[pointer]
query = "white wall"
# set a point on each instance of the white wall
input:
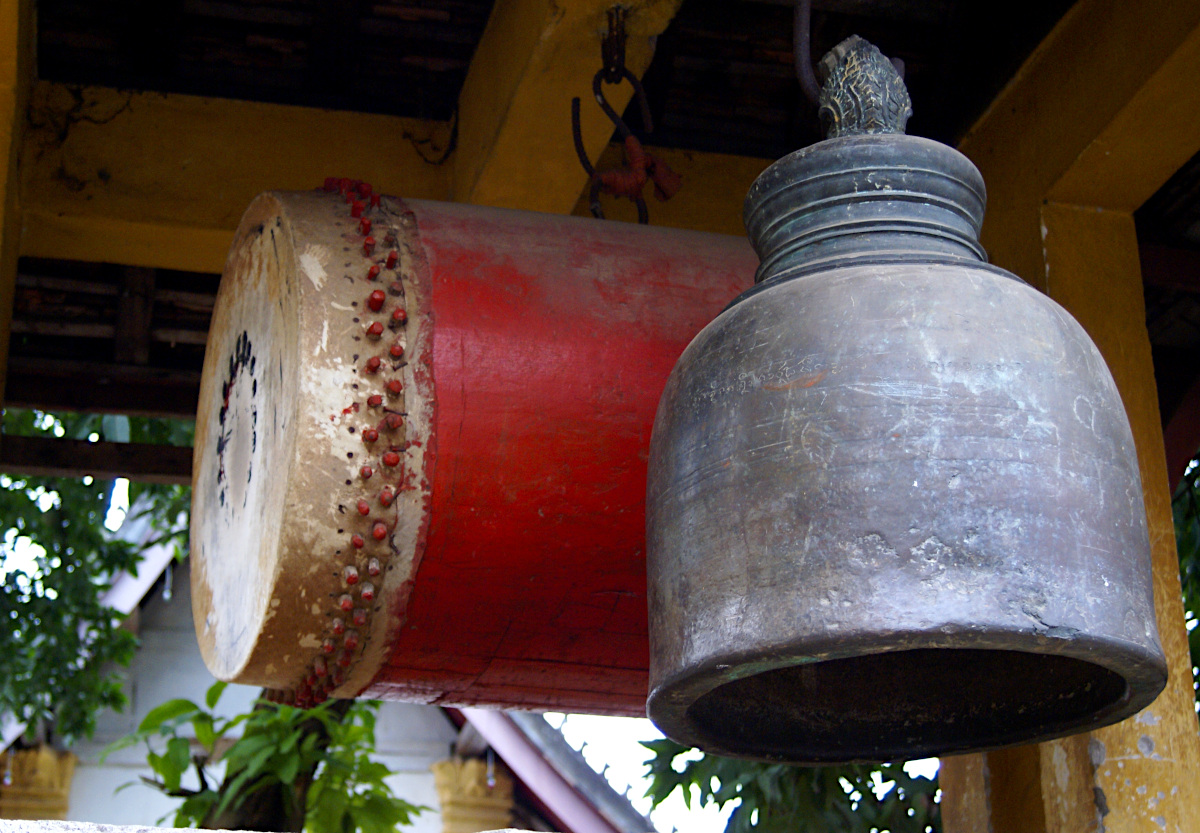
(408, 737)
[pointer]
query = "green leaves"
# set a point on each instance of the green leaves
(776, 798)
(62, 646)
(172, 711)
(1186, 508)
(349, 793)
(314, 764)
(174, 763)
(57, 560)
(214, 693)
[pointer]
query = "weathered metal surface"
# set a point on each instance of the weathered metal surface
(863, 91)
(512, 568)
(894, 508)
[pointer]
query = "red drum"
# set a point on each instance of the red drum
(420, 462)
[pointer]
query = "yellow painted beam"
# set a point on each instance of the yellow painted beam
(147, 179)
(1075, 85)
(710, 199)
(68, 235)
(16, 68)
(1146, 141)
(1103, 112)
(514, 130)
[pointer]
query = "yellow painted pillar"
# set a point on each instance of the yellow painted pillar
(473, 797)
(16, 72)
(40, 783)
(964, 784)
(1141, 774)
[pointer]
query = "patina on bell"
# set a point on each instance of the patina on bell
(894, 507)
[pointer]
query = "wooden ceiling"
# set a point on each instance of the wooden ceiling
(404, 57)
(722, 78)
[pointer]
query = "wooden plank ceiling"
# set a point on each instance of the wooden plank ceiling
(721, 79)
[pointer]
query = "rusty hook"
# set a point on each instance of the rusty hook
(598, 90)
(612, 55)
(622, 128)
(614, 71)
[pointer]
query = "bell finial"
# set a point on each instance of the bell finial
(862, 91)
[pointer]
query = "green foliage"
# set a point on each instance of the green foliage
(778, 798)
(1186, 509)
(349, 793)
(56, 561)
(317, 759)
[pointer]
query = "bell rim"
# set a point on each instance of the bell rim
(1141, 667)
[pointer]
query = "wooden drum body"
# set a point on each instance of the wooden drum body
(421, 448)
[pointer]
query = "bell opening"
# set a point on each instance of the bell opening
(903, 705)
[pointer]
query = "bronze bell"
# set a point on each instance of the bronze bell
(894, 507)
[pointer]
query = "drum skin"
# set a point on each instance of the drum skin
(534, 351)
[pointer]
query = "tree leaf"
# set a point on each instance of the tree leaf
(202, 725)
(169, 710)
(289, 769)
(175, 762)
(117, 745)
(326, 816)
(214, 693)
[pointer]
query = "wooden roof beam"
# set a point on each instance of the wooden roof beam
(44, 457)
(147, 179)
(1072, 124)
(514, 113)
(135, 310)
(101, 387)
(154, 180)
